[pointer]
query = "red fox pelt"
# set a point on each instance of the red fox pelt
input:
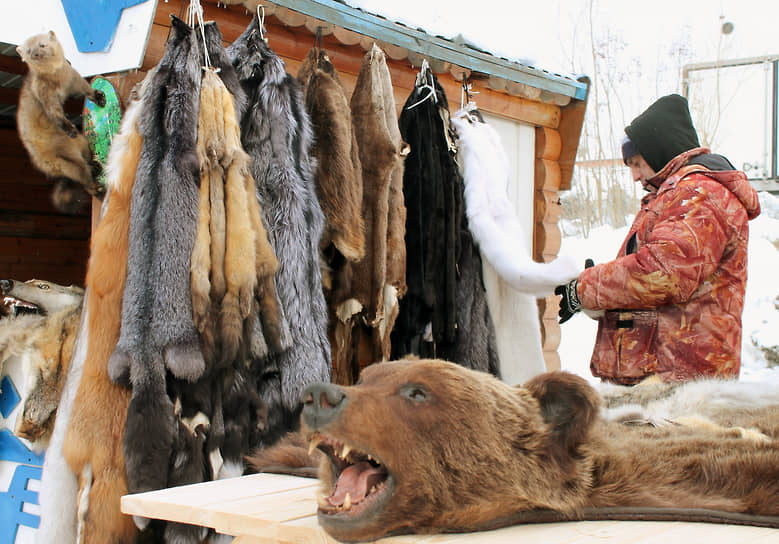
(93, 443)
(54, 144)
(427, 446)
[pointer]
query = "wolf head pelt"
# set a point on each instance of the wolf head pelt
(277, 134)
(44, 340)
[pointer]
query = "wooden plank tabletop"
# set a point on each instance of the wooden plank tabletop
(274, 508)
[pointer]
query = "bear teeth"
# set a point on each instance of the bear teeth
(314, 442)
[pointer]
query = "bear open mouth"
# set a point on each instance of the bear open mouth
(362, 483)
(13, 307)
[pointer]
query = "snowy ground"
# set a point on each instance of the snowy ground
(761, 302)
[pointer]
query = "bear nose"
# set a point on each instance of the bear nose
(6, 285)
(322, 404)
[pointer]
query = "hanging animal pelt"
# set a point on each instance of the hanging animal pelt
(157, 329)
(379, 280)
(444, 313)
(247, 260)
(93, 444)
(513, 280)
(338, 174)
(492, 218)
(339, 188)
(276, 133)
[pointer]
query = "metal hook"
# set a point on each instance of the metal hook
(261, 21)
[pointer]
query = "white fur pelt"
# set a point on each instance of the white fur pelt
(59, 487)
(491, 217)
(511, 277)
(661, 404)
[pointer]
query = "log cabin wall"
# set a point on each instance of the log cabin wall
(36, 240)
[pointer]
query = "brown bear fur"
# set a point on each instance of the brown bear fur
(96, 426)
(464, 451)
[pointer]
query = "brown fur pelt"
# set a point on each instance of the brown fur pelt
(55, 146)
(339, 174)
(424, 446)
(379, 279)
(248, 258)
(339, 187)
(93, 443)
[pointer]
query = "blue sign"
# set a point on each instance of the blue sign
(93, 22)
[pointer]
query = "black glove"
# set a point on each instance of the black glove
(569, 303)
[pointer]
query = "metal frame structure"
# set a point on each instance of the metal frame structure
(771, 183)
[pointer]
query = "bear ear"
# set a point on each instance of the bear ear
(570, 406)
(51, 34)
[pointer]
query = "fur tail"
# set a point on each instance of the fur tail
(149, 435)
(232, 327)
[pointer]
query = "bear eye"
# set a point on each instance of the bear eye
(43, 286)
(414, 393)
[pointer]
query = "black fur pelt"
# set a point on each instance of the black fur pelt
(444, 313)
(276, 133)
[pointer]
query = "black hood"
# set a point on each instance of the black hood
(663, 131)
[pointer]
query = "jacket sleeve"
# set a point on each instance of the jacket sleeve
(682, 250)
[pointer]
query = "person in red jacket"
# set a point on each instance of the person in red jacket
(670, 304)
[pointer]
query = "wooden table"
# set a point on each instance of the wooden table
(265, 508)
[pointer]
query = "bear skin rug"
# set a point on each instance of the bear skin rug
(428, 446)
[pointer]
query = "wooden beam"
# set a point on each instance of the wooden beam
(571, 123)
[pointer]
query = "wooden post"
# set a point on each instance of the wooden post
(546, 232)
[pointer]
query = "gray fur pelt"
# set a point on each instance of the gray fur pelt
(276, 133)
(157, 329)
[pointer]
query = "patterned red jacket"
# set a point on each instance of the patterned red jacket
(675, 293)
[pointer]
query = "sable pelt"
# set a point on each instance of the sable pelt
(227, 307)
(276, 133)
(445, 288)
(378, 280)
(540, 446)
(339, 184)
(55, 146)
(100, 406)
(339, 173)
(44, 340)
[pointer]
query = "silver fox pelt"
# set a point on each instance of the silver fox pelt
(276, 133)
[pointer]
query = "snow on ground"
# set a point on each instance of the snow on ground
(761, 301)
